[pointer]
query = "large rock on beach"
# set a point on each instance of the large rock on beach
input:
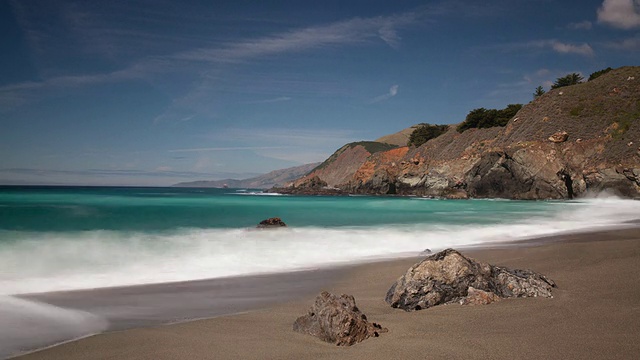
(274, 222)
(448, 276)
(337, 319)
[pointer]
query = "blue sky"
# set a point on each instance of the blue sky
(155, 92)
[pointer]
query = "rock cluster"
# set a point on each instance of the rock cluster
(274, 222)
(448, 276)
(337, 319)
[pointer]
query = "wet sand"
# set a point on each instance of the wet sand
(595, 314)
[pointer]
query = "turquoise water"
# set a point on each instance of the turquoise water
(57, 238)
(161, 209)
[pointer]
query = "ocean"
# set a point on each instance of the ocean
(66, 238)
(98, 239)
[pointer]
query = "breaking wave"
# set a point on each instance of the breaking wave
(33, 262)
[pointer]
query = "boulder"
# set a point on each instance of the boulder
(478, 297)
(337, 319)
(274, 222)
(559, 137)
(448, 276)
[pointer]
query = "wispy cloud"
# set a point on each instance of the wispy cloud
(560, 47)
(227, 148)
(197, 63)
(583, 25)
(393, 91)
(629, 44)
(622, 14)
(352, 31)
(269, 101)
(564, 48)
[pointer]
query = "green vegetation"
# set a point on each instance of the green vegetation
(567, 80)
(426, 132)
(576, 111)
(625, 120)
(599, 73)
(539, 92)
(486, 118)
(373, 146)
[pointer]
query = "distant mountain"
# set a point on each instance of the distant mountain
(266, 181)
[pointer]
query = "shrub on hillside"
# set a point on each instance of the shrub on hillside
(599, 73)
(486, 118)
(567, 80)
(426, 132)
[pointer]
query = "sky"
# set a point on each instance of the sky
(155, 92)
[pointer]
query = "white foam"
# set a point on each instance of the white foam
(41, 262)
(25, 325)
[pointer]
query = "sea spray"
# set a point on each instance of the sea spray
(49, 261)
(26, 324)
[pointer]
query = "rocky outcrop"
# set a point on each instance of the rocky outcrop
(337, 320)
(559, 137)
(270, 223)
(529, 158)
(448, 276)
(310, 185)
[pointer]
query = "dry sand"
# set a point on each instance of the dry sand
(595, 314)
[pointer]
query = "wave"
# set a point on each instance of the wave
(34, 262)
(26, 324)
(254, 193)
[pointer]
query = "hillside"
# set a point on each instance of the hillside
(341, 165)
(601, 119)
(401, 138)
(274, 178)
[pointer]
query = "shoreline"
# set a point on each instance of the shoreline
(369, 282)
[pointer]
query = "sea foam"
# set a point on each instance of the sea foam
(49, 261)
(26, 324)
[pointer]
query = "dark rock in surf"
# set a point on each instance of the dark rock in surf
(337, 319)
(448, 276)
(274, 222)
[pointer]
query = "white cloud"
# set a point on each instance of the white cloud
(198, 61)
(630, 44)
(563, 48)
(623, 14)
(393, 91)
(351, 31)
(583, 25)
(555, 45)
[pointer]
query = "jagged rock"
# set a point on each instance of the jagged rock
(447, 277)
(520, 283)
(559, 137)
(274, 222)
(314, 183)
(337, 319)
(478, 297)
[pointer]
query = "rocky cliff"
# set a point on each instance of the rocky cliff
(564, 144)
(339, 168)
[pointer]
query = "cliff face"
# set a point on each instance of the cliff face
(565, 143)
(339, 168)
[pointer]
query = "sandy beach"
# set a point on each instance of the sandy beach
(595, 314)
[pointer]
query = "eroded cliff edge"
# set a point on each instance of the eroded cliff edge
(530, 158)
